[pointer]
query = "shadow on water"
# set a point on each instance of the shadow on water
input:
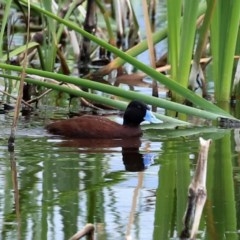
(133, 160)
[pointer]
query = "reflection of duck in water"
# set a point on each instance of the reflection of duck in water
(98, 127)
(135, 161)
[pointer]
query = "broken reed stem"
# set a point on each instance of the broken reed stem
(197, 193)
(88, 230)
(11, 139)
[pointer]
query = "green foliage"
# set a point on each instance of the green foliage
(6, 18)
(174, 25)
(223, 36)
(181, 28)
(214, 114)
(188, 29)
(172, 85)
(224, 32)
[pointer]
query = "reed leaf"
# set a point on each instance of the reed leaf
(107, 22)
(174, 8)
(93, 97)
(19, 50)
(5, 19)
(121, 92)
(50, 44)
(224, 31)
(203, 32)
(188, 30)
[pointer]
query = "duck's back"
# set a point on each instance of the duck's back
(89, 126)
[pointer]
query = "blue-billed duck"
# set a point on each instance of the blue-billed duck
(98, 127)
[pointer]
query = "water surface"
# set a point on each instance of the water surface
(50, 188)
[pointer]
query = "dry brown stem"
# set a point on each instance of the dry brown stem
(197, 193)
(88, 230)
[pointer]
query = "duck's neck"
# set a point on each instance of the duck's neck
(131, 125)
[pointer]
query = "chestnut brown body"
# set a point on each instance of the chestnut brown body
(96, 127)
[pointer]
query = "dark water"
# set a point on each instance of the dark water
(51, 188)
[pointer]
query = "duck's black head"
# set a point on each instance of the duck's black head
(136, 113)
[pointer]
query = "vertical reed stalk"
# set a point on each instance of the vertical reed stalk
(224, 32)
(11, 139)
(188, 30)
(174, 24)
(151, 50)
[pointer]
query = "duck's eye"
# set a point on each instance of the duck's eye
(142, 107)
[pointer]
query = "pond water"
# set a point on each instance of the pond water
(50, 188)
